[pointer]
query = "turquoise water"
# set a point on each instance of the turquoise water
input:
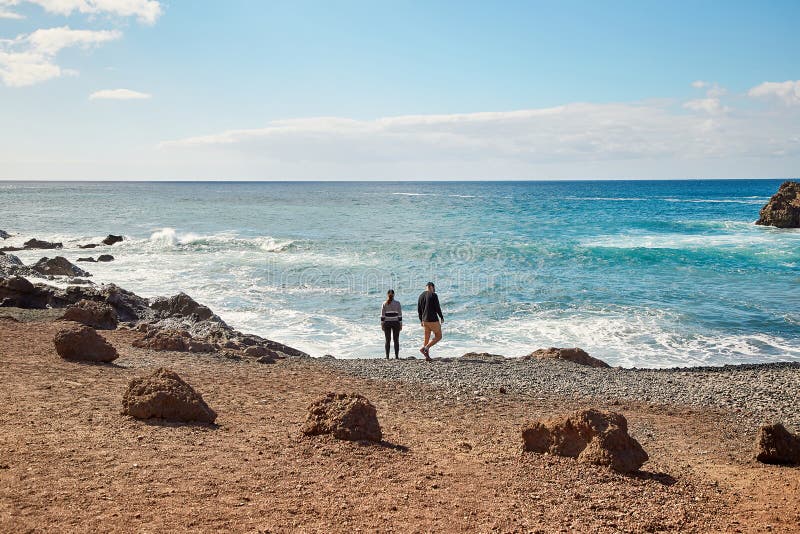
(638, 273)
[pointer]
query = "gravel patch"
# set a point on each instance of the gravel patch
(753, 394)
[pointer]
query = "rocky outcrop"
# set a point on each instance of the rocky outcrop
(776, 445)
(39, 244)
(783, 209)
(164, 395)
(11, 265)
(80, 342)
(92, 313)
(112, 239)
(181, 305)
(19, 292)
(574, 355)
(591, 436)
(167, 340)
(484, 357)
(58, 266)
(345, 416)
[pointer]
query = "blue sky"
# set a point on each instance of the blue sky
(141, 89)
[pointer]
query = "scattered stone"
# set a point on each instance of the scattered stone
(347, 416)
(81, 342)
(592, 436)
(171, 340)
(105, 258)
(503, 390)
(164, 395)
(111, 239)
(776, 445)
(574, 355)
(58, 266)
(4, 235)
(92, 313)
(36, 243)
(783, 209)
(483, 357)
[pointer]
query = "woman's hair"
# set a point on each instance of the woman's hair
(390, 295)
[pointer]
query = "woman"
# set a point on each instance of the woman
(392, 322)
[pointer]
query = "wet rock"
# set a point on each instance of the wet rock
(112, 239)
(165, 395)
(11, 265)
(591, 436)
(347, 416)
(37, 243)
(91, 313)
(574, 355)
(58, 266)
(783, 209)
(4, 235)
(776, 445)
(89, 245)
(89, 259)
(105, 257)
(80, 342)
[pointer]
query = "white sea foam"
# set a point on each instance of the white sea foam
(714, 200)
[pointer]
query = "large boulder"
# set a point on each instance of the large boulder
(591, 436)
(346, 416)
(37, 243)
(19, 292)
(80, 342)
(776, 445)
(111, 239)
(92, 313)
(171, 340)
(783, 209)
(164, 395)
(574, 355)
(58, 266)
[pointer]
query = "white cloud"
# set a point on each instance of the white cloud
(580, 133)
(146, 11)
(787, 92)
(699, 84)
(30, 59)
(10, 15)
(118, 94)
(706, 105)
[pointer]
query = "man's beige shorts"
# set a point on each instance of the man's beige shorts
(433, 326)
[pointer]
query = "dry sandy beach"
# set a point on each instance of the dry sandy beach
(451, 459)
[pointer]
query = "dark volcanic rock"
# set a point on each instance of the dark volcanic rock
(346, 416)
(4, 235)
(19, 292)
(89, 245)
(80, 342)
(36, 243)
(164, 395)
(783, 209)
(591, 436)
(111, 239)
(92, 313)
(776, 445)
(105, 257)
(574, 355)
(11, 265)
(181, 305)
(58, 266)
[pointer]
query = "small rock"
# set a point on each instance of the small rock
(111, 239)
(574, 355)
(4, 235)
(36, 243)
(105, 258)
(776, 445)
(58, 266)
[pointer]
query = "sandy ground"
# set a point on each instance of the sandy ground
(69, 462)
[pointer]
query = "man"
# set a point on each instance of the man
(431, 318)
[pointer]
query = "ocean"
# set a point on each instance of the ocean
(638, 273)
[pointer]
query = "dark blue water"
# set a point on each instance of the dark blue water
(638, 273)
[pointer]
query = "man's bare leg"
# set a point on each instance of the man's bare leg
(424, 349)
(437, 337)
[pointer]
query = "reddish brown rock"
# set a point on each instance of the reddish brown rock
(173, 340)
(776, 445)
(347, 416)
(91, 313)
(783, 209)
(574, 355)
(591, 436)
(81, 342)
(164, 395)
